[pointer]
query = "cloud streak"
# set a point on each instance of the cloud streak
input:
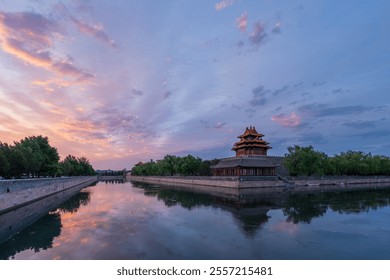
(324, 110)
(30, 37)
(95, 31)
(292, 120)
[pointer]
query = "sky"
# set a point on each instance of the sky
(126, 81)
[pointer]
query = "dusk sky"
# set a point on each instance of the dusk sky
(127, 81)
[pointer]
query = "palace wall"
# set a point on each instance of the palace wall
(15, 193)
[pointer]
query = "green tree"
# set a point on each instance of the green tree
(305, 161)
(189, 165)
(18, 161)
(43, 158)
(70, 166)
(169, 164)
(4, 163)
(85, 166)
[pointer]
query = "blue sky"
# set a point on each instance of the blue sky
(124, 81)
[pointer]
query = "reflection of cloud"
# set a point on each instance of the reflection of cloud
(287, 227)
(292, 120)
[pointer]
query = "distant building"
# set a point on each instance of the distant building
(251, 157)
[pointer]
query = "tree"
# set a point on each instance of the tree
(85, 167)
(305, 161)
(18, 161)
(33, 156)
(43, 158)
(4, 163)
(169, 164)
(189, 165)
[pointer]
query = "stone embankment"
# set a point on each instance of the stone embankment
(339, 181)
(16, 193)
(260, 181)
(221, 182)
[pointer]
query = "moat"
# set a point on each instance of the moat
(123, 220)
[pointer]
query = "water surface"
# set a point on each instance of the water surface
(127, 221)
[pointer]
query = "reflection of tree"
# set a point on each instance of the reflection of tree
(38, 236)
(302, 208)
(74, 203)
(359, 201)
(305, 207)
(249, 219)
(172, 197)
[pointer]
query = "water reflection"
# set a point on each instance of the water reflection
(36, 237)
(40, 235)
(83, 198)
(113, 181)
(142, 221)
(304, 207)
(249, 218)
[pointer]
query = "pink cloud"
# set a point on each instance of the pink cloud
(258, 36)
(242, 22)
(292, 120)
(94, 31)
(68, 69)
(224, 4)
(29, 37)
(29, 26)
(40, 58)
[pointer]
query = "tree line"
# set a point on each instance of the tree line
(34, 157)
(307, 161)
(173, 165)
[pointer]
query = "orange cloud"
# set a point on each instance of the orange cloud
(37, 58)
(292, 120)
(29, 37)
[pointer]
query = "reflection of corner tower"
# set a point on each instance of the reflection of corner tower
(251, 143)
(251, 157)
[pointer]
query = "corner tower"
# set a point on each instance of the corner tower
(251, 143)
(251, 157)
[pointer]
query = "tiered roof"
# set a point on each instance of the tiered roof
(251, 142)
